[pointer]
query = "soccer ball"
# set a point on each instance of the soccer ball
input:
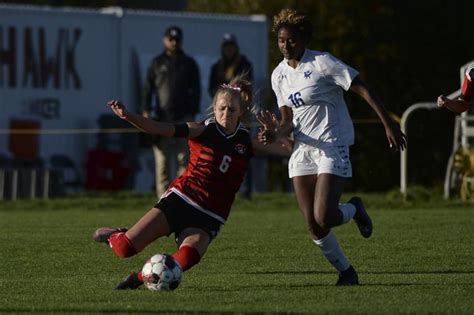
(161, 273)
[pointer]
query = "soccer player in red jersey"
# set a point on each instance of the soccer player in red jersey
(198, 202)
(462, 103)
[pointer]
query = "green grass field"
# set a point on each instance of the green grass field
(420, 260)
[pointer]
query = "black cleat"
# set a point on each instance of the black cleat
(102, 235)
(130, 282)
(361, 218)
(348, 277)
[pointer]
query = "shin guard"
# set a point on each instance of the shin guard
(121, 245)
(187, 257)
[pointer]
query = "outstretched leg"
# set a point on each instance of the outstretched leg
(126, 243)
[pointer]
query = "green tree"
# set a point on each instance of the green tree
(407, 51)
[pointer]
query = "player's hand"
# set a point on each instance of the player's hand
(441, 101)
(268, 120)
(396, 138)
(268, 131)
(118, 108)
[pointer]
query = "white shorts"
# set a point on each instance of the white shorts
(308, 160)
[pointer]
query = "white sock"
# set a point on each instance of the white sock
(333, 252)
(348, 210)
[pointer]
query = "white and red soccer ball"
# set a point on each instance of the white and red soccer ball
(161, 273)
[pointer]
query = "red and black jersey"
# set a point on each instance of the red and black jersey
(468, 87)
(217, 165)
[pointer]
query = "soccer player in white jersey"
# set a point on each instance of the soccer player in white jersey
(309, 88)
(463, 102)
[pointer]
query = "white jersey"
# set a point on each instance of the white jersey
(314, 92)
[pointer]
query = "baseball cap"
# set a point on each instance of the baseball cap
(174, 32)
(229, 38)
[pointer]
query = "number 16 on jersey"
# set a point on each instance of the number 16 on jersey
(296, 99)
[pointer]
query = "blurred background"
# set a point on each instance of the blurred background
(407, 51)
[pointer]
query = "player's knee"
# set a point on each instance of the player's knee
(122, 245)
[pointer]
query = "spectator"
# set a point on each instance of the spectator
(173, 80)
(230, 65)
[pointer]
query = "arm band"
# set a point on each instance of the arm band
(181, 130)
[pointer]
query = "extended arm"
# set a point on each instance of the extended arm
(281, 148)
(395, 137)
(463, 102)
(457, 106)
(149, 125)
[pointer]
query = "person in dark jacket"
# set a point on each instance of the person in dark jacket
(230, 65)
(173, 86)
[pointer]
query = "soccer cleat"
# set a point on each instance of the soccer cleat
(102, 235)
(361, 217)
(348, 277)
(130, 282)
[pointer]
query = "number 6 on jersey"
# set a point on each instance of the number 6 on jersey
(225, 164)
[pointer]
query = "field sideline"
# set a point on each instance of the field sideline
(419, 260)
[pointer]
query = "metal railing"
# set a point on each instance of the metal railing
(13, 182)
(403, 127)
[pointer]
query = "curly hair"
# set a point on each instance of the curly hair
(295, 20)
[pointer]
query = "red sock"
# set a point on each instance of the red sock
(187, 257)
(121, 245)
(140, 276)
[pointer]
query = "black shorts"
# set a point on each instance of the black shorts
(182, 215)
